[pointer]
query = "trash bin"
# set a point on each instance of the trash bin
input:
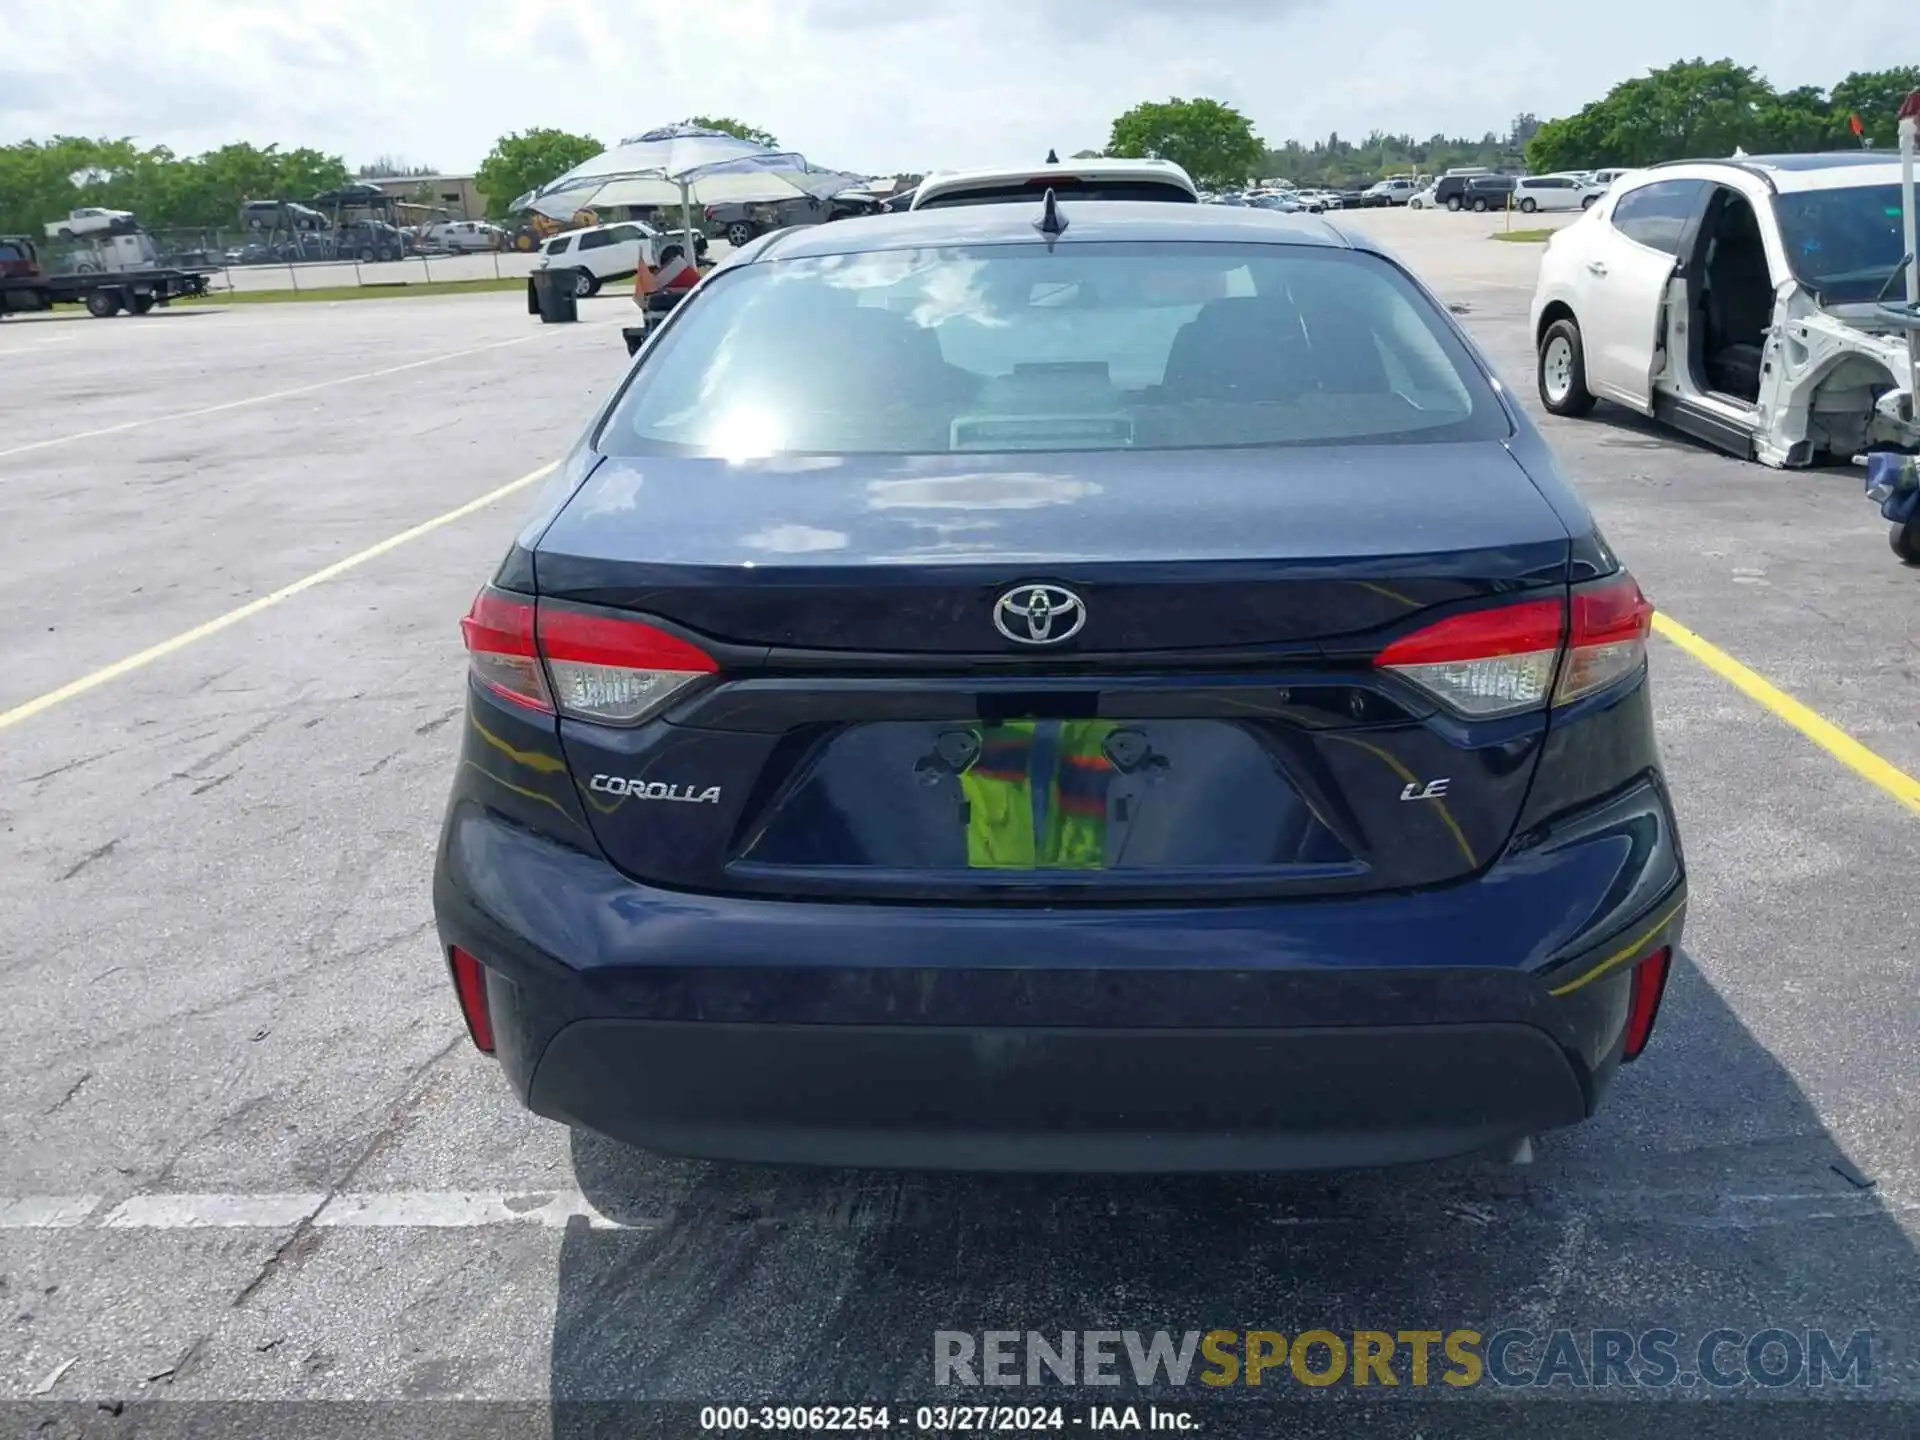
(550, 295)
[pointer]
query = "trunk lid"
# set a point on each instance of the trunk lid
(1213, 728)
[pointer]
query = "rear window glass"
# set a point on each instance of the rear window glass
(1095, 346)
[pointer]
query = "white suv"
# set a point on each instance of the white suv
(601, 253)
(1739, 301)
(1069, 180)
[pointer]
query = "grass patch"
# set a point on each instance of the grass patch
(356, 292)
(1524, 237)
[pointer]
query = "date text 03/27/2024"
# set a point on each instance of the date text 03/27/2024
(942, 1419)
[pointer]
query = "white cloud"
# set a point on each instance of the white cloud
(862, 84)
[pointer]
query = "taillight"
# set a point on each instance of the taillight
(1649, 984)
(470, 985)
(1486, 662)
(500, 651)
(1503, 660)
(1611, 621)
(612, 670)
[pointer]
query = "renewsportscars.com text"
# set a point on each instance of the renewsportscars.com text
(1460, 1358)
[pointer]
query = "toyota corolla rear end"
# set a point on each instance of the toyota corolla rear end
(1137, 698)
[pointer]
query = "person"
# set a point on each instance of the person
(1067, 830)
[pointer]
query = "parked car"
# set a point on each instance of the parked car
(741, 222)
(1397, 191)
(369, 241)
(1737, 301)
(1421, 199)
(601, 253)
(282, 215)
(1450, 190)
(1552, 192)
(466, 235)
(1313, 820)
(1489, 192)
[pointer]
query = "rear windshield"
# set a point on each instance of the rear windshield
(1096, 346)
(1027, 191)
(1843, 244)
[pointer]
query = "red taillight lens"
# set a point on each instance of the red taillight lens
(1611, 621)
(470, 984)
(1502, 661)
(499, 635)
(1486, 662)
(613, 670)
(1649, 984)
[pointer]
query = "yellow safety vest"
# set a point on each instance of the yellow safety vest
(999, 790)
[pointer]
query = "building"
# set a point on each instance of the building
(453, 193)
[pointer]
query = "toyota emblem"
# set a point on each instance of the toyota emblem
(1039, 614)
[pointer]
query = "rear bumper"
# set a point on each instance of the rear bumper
(1367, 1031)
(1048, 1098)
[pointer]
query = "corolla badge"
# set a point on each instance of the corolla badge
(1039, 614)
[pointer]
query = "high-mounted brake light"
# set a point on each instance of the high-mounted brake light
(1643, 1004)
(499, 635)
(614, 670)
(1486, 662)
(1611, 621)
(1503, 660)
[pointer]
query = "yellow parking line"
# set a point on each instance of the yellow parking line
(1828, 736)
(42, 703)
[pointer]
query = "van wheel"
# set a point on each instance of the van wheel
(585, 283)
(1905, 540)
(1529, 205)
(1562, 371)
(1453, 202)
(1479, 206)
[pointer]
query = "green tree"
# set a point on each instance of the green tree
(526, 160)
(737, 128)
(1212, 142)
(1875, 97)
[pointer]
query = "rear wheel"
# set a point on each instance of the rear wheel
(1563, 370)
(585, 283)
(1529, 205)
(1905, 540)
(103, 303)
(739, 233)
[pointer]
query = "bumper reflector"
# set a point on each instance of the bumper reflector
(1649, 983)
(470, 984)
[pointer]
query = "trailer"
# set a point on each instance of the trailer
(25, 286)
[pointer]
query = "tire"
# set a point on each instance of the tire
(1480, 207)
(365, 256)
(1529, 205)
(1905, 540)
(739, 233)
(1560, 370)
(585, 283)
(103, 304)
(671, 253)
(1587, 203)
(1453, 203)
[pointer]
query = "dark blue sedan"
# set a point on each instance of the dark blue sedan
(1115, 687)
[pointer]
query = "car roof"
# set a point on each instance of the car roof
(958, 181)
(1786, 174)
(1087, 221)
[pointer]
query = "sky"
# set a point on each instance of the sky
(870, 86)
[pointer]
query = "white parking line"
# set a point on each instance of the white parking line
(210, 1212)
(46, 1212)
(386, 1210)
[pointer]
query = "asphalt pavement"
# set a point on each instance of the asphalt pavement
(246, 1153)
